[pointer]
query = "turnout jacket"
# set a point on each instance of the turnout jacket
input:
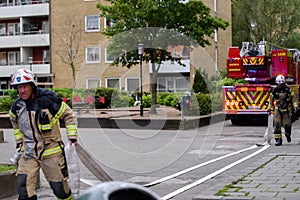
(36, 123)
(283, 99)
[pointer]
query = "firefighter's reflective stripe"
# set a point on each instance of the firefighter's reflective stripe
(12, 115)
(277, 136)
(71, 130)
(18, 134)
(59, 113)
(52, 151)
(45, 127)
(295, 103)
(69, 198)
(55, 119)
(281, 110)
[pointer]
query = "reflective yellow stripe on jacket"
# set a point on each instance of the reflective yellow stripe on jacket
(71, 130)
(55, 119)
(60, 112)
(12, 115)
(52, 151)
(18, 134)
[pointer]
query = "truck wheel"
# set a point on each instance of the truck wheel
(235, 121)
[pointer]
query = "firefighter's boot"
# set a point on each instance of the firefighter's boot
(288, 137)
(278, 141)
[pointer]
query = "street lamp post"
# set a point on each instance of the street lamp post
(140, 52)
(30, 62)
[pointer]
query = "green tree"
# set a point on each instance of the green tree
(275, 21)
(199, 85)
(157, 24)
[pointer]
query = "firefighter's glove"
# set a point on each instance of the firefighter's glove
(73, 141)
(294, 115)
(270, 111)
(19, 145)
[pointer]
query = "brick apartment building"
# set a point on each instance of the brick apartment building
(34, 34)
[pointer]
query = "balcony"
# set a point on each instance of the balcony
(173, 67)
(15, 11)
(8, 70)
(17, 41)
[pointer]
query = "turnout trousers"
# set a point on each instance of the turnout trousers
(55, 170)
(282, 119)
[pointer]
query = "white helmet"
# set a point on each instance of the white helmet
(22, 76)
(280, 79)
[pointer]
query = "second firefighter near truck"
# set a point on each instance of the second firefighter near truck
(255, 67)
(35, 119)
(284, 105)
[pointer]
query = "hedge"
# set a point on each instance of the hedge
(113, 98)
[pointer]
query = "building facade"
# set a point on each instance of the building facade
(25, 40)
(73, 38)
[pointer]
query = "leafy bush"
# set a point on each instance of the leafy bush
(12, 93)
(147, 100)
(216, 101)
(160, 97)
(5, 103)
(204, 103)
(121, 100)
(170, 99)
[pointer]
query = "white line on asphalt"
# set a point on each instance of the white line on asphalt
(90, 182)
(187, 187)
(197, 166)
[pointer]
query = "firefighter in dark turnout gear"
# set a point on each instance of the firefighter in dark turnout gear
(284, 105)
(35, 120)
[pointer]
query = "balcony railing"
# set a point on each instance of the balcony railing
(8, 70)
(25, 41)
(4, 3)
(13, 11)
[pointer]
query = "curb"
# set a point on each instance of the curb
(126, 122)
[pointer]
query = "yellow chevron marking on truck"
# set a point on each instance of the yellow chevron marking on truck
(252, 61)
(261, 61)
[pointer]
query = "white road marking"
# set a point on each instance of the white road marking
(187, 187)
(90, 182)
(197, 166)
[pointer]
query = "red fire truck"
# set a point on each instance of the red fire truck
(257, 64)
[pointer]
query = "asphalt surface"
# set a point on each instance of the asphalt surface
(274, 176)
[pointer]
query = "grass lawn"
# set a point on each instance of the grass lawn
(7, 167)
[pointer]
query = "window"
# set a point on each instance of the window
(2, 58)
(45, 26)
(185, 53)
(92, 83)
(113, 83)
(13, 58)
(133, 84)
(2, 30)
(182, 84)
(13, 29)
(161, 86)
(173, 84)
(110, 57)
(108, 23)
(92, 23)
(46, 57)
(92, 54)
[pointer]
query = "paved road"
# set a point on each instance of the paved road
(144, 156)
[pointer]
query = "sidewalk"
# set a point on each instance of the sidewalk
(275, 176)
